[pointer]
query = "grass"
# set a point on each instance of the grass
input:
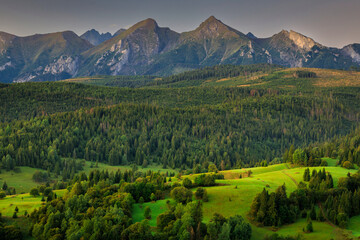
(233, 196)
(102, 166)
(157, 208)
(331, 162)
(24, 202)
(114, 81)
(230, 200)
(287, 80)
(354, 226)
(21, 180)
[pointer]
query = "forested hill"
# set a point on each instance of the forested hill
(177, 127)
(238, 132)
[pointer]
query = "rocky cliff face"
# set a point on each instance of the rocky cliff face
(353, 51)
(60, 67)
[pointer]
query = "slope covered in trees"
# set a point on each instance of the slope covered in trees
(252, 127)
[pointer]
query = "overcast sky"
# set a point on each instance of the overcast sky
(329, 22)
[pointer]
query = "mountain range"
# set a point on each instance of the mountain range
(147, 49)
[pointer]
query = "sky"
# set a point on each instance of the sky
(334, 23)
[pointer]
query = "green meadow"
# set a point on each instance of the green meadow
(89, 166)
(234, 195)
(157, 208)
(21, 179)
(24, 202)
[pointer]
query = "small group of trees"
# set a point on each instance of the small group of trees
(274, 209)
(185, 222)
(308, 157)
(39, 176)
(6, 190)
(338, 204)
(318, 180)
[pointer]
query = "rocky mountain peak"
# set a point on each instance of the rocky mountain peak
(213, 28)
(301, 41)
(251, 35)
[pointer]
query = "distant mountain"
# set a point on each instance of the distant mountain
(292, 49)
(95, 38)
(41, 57)
(131, 51)
(118, 32)
(148, 49)
(211, 43)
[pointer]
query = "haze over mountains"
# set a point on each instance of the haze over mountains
(147, 49)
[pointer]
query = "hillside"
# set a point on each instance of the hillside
(271, 76)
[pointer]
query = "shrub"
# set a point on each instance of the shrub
(181, 195)
(34, 192)
(2, 194)
(348, 165)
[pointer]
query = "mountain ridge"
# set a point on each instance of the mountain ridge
(147, 49)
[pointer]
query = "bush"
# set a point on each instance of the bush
(147, 213)
(2, 194)
(34, 192)
(323, 163)
(201, 193)
(40, 176)
(181, 195)
(305, 74)
(309, 227)
(348, 165)
(187, 183)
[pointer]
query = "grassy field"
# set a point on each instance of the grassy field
(24, 202)
(331, 162)
(286, 79)
(157, 208)
(102, 166)
(21, 180)
(235, 196)
(354, 226)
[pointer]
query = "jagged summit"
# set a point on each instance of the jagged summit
(212, 28)
(212, 22)
(95, 38)
(251, 35)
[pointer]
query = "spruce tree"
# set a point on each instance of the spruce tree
(313, 213)
(5, 186)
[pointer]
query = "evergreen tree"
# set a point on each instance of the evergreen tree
(5, 186)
